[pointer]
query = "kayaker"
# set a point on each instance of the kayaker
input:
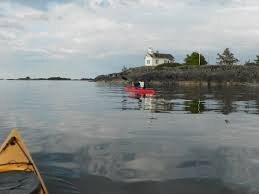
(136, 84)
(142, 84)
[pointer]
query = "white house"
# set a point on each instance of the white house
(155, 58)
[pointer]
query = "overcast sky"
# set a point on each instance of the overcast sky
(83, 38)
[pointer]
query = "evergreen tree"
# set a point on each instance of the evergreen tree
(124, 68)
(247, 63)
(227, 58)
(193, 59)
(257, 60)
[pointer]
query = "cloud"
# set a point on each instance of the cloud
(101, 29)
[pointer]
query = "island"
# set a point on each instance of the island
(161, 68)
(183, 74)
(51, 78)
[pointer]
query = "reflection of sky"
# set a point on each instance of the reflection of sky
(100, 130)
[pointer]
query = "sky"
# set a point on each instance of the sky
(85, 38)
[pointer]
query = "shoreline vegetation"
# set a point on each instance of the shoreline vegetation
(168, 74)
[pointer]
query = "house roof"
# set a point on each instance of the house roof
(161, 55)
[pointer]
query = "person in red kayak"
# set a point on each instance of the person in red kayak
(139, 84)
(142, 84)
(136, 84)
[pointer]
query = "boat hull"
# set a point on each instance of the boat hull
(139, 90)
(14, 156)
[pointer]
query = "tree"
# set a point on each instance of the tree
(257, 60)
(227, 58)
(124, 68)
(247, 63)
(195, 59)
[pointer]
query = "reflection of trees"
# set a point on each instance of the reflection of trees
(194, 106)
(229, 98)
(223, 98)
(257, 99)
(226, 99)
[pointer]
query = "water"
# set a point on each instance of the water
(95, 139)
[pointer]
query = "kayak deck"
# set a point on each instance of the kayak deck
(14, 156)
(139, 90)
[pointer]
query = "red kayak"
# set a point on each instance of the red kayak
(139, 90)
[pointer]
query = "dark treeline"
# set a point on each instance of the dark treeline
(53, 78)
(50, 78)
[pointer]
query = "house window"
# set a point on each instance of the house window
(157, 61)
(148, 62)
(165, 61)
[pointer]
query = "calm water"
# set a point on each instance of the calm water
(96, 139)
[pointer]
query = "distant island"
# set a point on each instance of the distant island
(50, 78)
(53, 78)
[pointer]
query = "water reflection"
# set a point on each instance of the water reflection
(194, 106)
(196, 100)
(220, 170)
(91, 138)
(91, 184)
(146, 102)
